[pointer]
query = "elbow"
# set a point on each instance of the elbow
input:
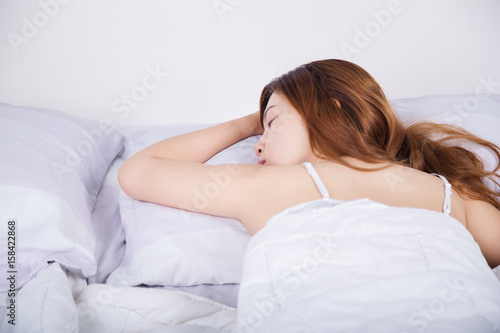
(127, 177)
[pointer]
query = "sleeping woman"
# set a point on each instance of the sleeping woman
(328, 131)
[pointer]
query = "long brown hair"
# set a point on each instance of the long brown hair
(347, 114)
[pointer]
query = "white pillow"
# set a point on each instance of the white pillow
(53, 165)
(173, 247)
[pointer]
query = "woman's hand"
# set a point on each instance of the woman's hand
(255, 124)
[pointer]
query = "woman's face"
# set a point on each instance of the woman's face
(285, 140)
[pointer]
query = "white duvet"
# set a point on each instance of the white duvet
(361, 266)
(58, 301)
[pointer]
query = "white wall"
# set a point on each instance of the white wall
(87, 56)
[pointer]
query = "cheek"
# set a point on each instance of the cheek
(289, 147)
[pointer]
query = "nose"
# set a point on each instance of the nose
(259, 147)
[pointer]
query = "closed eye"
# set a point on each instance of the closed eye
(270, 122)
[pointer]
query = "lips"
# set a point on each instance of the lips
(261, 162)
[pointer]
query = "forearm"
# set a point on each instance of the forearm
(199, 146)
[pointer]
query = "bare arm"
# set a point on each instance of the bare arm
(199, 146)
(483, 221)
(171, 172)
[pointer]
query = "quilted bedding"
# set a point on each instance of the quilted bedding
(361, 266)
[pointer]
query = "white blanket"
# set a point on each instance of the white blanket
(104, 308)
(366, 267)
(44, 304)
(58, 301)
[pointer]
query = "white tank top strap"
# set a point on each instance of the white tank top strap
(319, 184)
(447, 194)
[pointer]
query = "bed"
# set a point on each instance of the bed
(78, 255)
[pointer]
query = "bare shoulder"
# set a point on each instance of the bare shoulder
(273, 189)
(483, 222)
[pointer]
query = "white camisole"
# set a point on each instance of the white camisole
(324, 192)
